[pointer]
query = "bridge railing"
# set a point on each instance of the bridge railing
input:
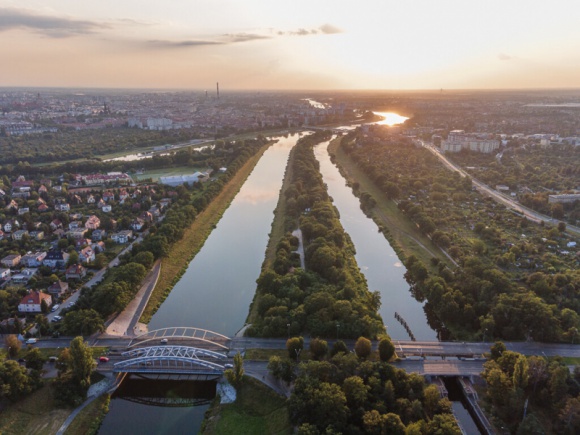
(182, 333)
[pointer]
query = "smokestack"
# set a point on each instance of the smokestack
(217, 85)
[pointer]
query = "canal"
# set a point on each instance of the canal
(214, 293)
(375, 256)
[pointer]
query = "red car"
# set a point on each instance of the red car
(103, 359)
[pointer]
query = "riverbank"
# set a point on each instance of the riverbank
(402, 234)
(183, 251)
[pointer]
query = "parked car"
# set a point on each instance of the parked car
(103, 359)
(54, 308)
(31, 341)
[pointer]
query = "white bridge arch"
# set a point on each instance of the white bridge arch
(171, 359)
(180, 333)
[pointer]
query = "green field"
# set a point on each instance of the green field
(257, 410)
(154, 174)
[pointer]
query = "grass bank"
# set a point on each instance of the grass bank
(89, 420)
(402, 234)
(183, 251)
(257, 410)
(36, 414)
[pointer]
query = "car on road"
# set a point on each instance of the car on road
(71, 304)
(164, 341)
(57, 318)
(31, 341)
(103, 359)
(54, 308)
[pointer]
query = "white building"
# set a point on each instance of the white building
(459, 140)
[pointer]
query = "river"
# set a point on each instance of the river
(214, 293)
(375, 256)
(218, 287)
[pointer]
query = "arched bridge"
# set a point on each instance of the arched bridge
(180, 335)
(172, 360)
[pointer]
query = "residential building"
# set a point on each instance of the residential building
(32, 302)
(18, 235)
(122, 236)
(33, 259)
(12, 260)
(92, 223)
(58, 289)
(23, 276)
(76, 271)
(87, 255)
(55, 259)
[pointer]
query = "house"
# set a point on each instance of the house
(76, 271)
(77, 233)
(23, 210)
(98, 247)
(33, 259)
(92, 223)
(58, 288)
(87, 255)
(2, 234)
(106, 209)
(108, 196)
(146, 216)
(37, 235)
(101, 203)
(4, 274)
(79, 243)
(11, 260)
(55, 224)
(32, 302)
(137, 224)
(123, 195)
(155, 211)
(42, 189)
(74, 225)
(98, 235)
(11, 225)
(24, 275)
(42, 208)
(122, 236)
(18, 235)
(65, 206)
(55, 259)
(91, 199)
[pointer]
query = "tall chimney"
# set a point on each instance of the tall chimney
(217, 85)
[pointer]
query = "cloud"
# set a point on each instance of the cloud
(503, 56)
(329, 29)
(180, 44)
(244, 37)
(51, 26)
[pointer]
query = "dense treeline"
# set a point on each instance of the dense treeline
(352, 395)
(121, 284)
(214, 157)
(533, 171)
(512, 283)
(332, 293)
(71, 144)
(544, 387)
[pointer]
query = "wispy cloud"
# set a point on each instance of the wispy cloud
(244, 37)
(51, 26)
(325, 29)
(157, 43)
(503, 56)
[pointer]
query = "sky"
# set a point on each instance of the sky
(295, 44)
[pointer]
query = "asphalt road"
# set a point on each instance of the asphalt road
(508, 202)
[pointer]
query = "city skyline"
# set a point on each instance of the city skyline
(302, 45)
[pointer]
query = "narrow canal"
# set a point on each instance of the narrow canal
(215, 293)
(375, 256)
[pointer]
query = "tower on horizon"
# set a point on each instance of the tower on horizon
(217, 85)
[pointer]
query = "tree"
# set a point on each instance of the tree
(521, 375)
(85, 322)
(43, 307)
(13, 345)
(318, 348)
(386, 349)
(73, 258)
(14, 381)
(42, 324)
(339, 346)
(235, 376)
(281, 368)
(355, 391)
(82, 363)
(497, 349)
(294, 346)
(35, 359)
(363, 347)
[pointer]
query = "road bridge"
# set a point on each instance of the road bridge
(180, 334)
(171, 360)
